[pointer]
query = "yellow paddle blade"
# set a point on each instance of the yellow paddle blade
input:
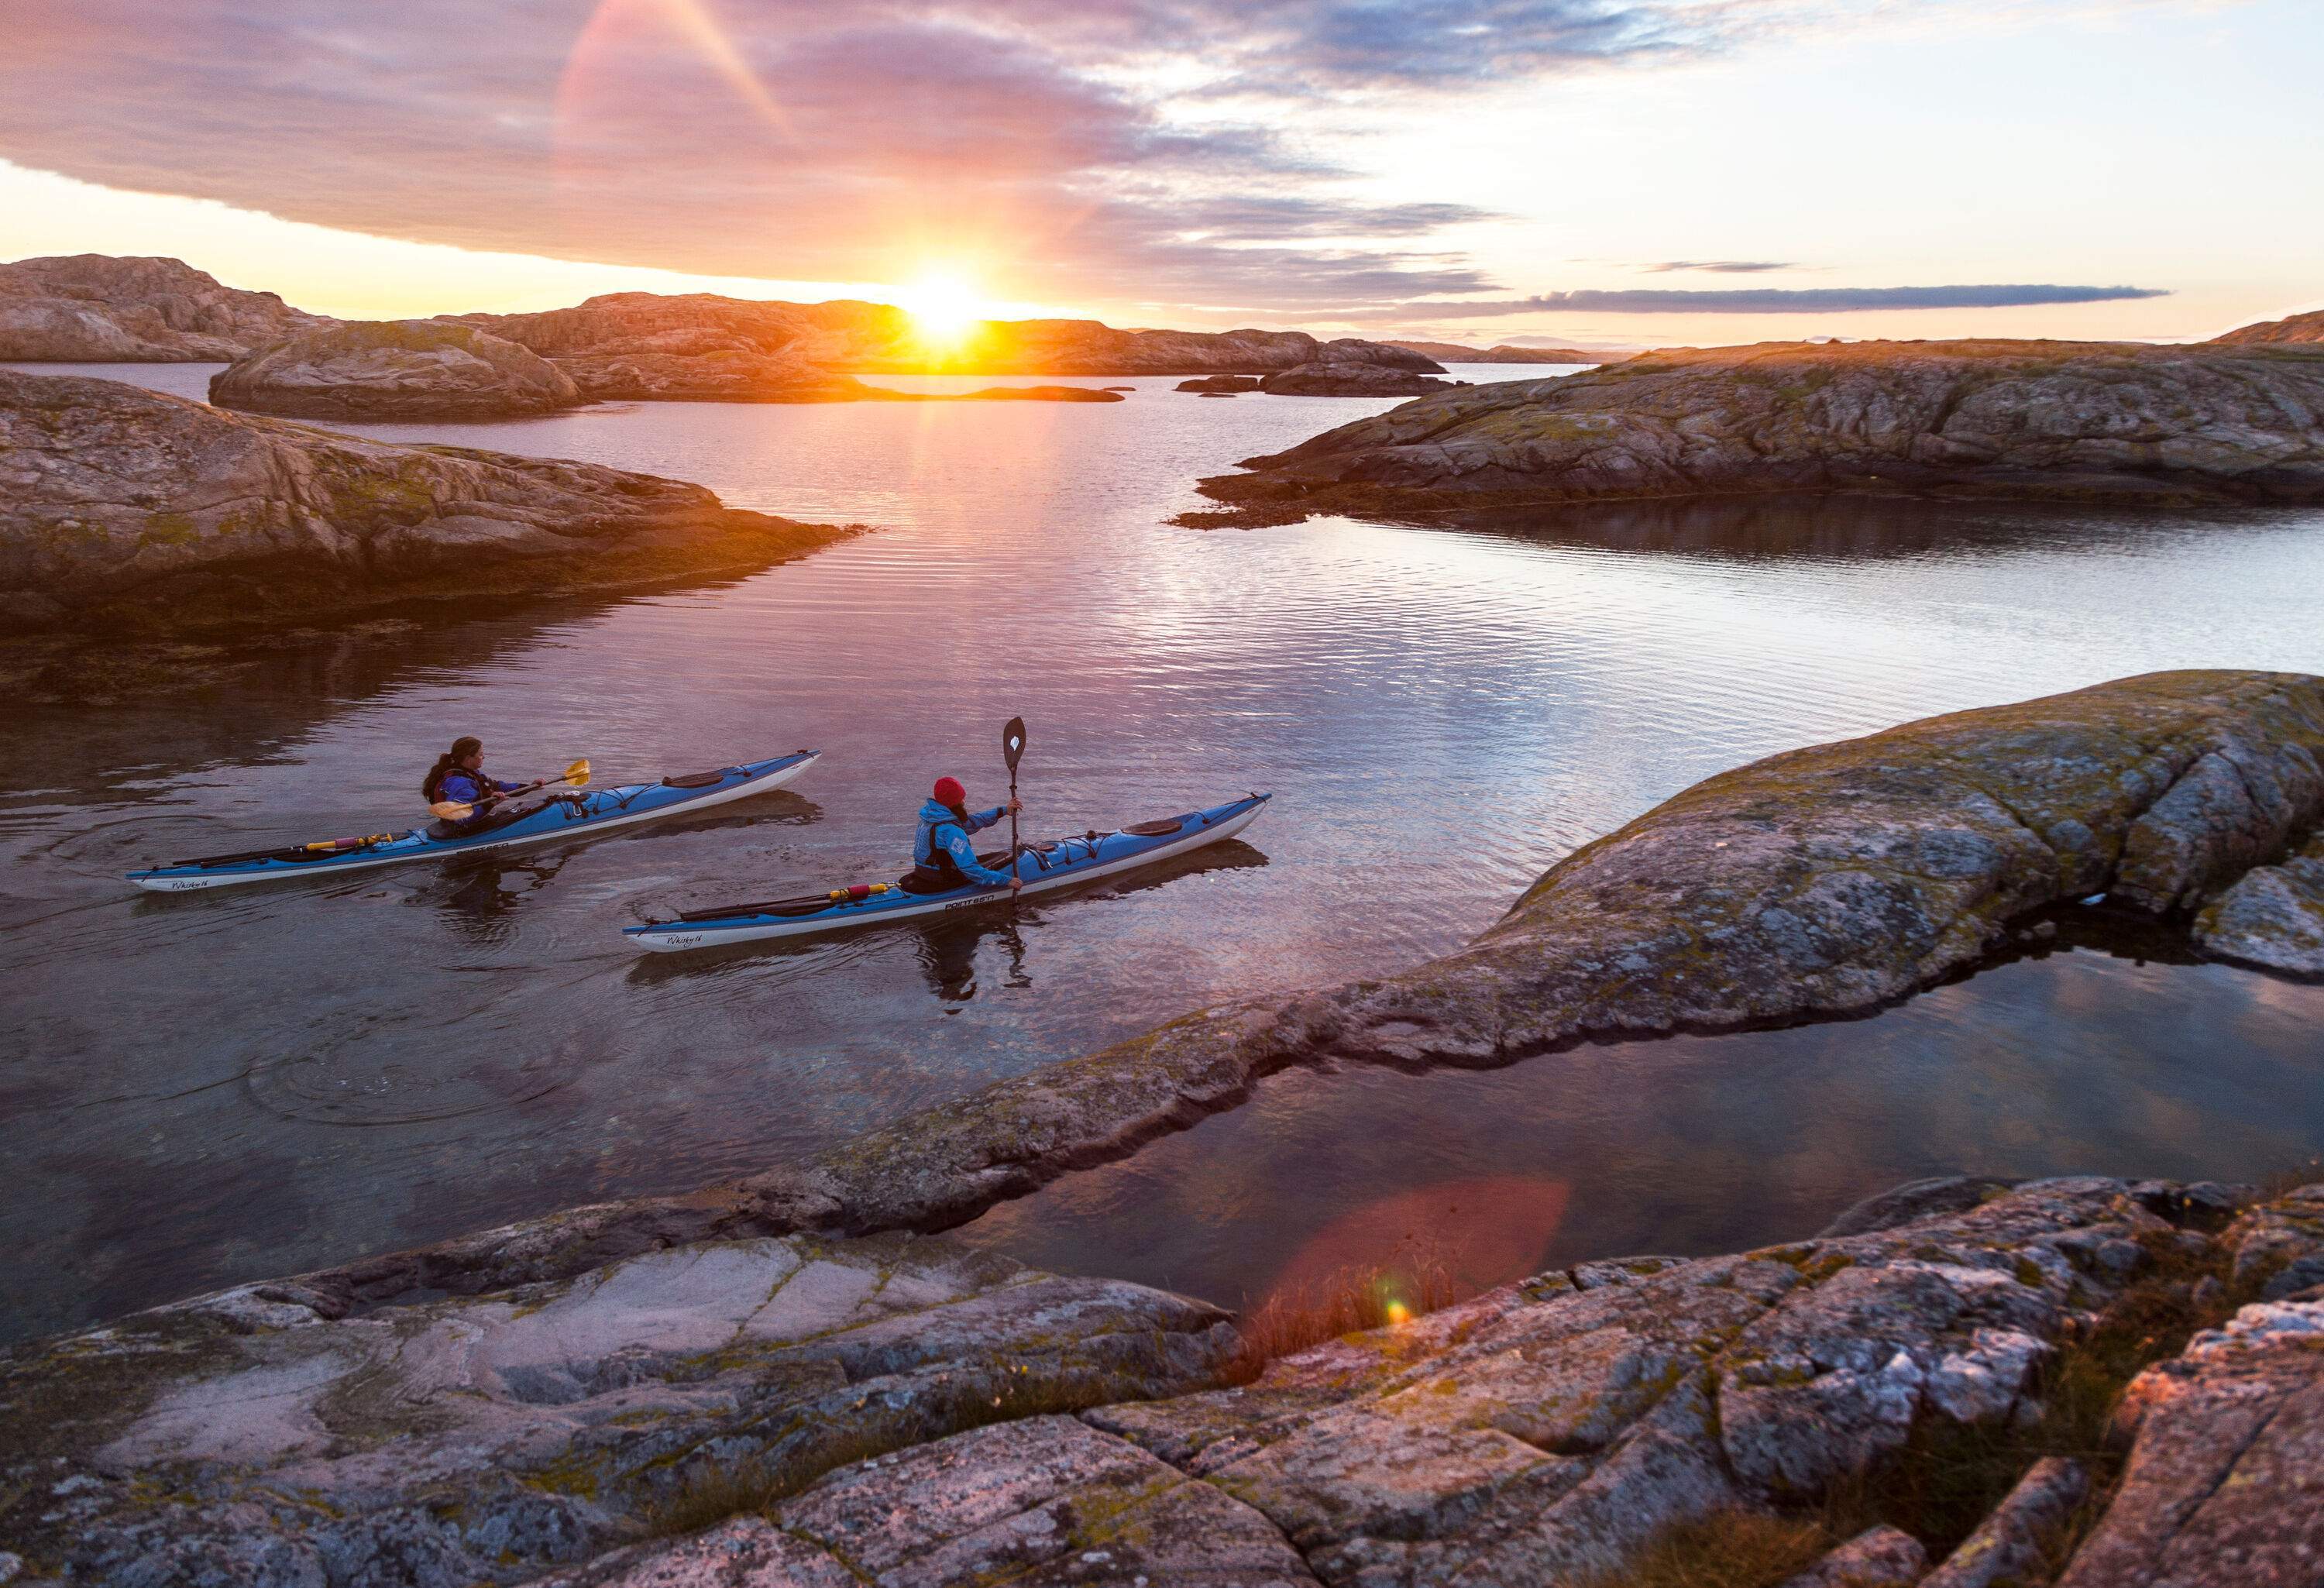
(452, 810)
(577, 774)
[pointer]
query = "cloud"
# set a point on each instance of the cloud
(1759, 301)
(1725, 267)
(1138, 150)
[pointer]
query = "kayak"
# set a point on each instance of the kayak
(561, 815)
(1045, 866)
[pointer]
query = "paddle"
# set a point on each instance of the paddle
(453, 810)
(1012, 748)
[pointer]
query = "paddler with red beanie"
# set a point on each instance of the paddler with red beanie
(942, 856)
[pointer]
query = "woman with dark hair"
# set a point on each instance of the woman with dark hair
(458, 776)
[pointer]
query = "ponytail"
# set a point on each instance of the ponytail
(462, 748)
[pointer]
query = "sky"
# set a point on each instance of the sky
(1599, 173)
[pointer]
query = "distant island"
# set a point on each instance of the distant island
(1503, 353)
(622, 346)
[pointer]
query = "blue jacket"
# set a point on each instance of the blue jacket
(470, 788)
(941, 830)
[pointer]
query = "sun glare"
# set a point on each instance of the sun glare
(944, 308)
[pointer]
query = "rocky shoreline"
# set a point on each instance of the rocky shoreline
(2083, 422)
(584, 1393)
(125, 511)
(2118, 1378)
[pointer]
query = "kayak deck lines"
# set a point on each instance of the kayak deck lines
(559, 816)
(1045, 866)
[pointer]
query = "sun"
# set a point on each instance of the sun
(945, 307)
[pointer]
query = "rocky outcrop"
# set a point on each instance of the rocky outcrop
(262, 1435)
(124, 509)
(93, 308)
(1219, 386)
(2293, 329)
(2273, 917)
(1010, 395)
(645, 347)
(410, 369)
(1503, 353)
(1339, 378)
(2078, 421)
(905, 1412)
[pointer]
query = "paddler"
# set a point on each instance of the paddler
(942, 856)
(458, 776)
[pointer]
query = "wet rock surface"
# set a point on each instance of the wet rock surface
(2072, 421)
(126, 510)
(1221, 385)
(395, 369)
(2273, 917)
(94, 308)
(903, 1411)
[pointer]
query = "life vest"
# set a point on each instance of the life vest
(483, 785)
(932, 864)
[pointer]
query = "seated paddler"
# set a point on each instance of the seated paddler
(942, 856)
(459, 778)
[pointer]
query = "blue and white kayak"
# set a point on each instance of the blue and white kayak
(575, 814)
(1045, 866)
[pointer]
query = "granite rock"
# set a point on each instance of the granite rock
(2074, 421)
(124, 509)
(395, 370)
(94, 308)
(2293, 329)
(2224, 1487)
(493, 1439)
(1878, 1557)
(2272, 918)
(1339, 378)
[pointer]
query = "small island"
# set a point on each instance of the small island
(125, 510)
(2072, 421)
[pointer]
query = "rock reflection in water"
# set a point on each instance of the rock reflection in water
(2070, 1062)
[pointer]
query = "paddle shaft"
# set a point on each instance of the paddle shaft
(1012, 748)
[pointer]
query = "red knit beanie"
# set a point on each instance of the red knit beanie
(950, 792)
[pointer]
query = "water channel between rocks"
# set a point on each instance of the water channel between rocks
(200, 1090)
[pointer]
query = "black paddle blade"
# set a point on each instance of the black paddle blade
(1012, 740)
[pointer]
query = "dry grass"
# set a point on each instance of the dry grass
(2284, 1182)
(1349, 1302)
(1729, 1550)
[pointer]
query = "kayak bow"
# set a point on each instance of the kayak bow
(1062, 863)
(562, 815)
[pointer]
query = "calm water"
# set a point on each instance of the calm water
(202, 1089)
